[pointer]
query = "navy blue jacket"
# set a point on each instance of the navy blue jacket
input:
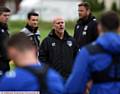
(22, 80)
(58, 54)
(4, 60)
(85, 31)
(86, 63)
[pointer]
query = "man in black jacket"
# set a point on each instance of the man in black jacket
(58, 49)
(31, 28)
(86, 28)
(4, 35)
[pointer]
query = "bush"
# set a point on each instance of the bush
(102, 5)
(95, 5)
(114, 7)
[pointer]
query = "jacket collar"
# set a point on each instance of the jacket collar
(31, 29)
(86, 21)
(52, 34)
(110, 41)
(3, 26)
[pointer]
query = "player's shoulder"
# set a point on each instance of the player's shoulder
(26, 31)
(10, 74)
(18, 74)
(17, 79)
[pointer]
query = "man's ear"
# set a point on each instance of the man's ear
(35, 50)
(53, 26)
(88, 12)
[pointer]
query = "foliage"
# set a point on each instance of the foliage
(114, 7)
(95, 5)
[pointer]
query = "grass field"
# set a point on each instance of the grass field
(45, 27)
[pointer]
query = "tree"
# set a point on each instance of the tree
(114, 7)
(95, 5)
(102, 5)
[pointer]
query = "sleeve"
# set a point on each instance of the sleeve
(80, 75)
(3, 54)
(75, 49)
(75, 32)
(44, 52)
(95, 30)
(55, 82)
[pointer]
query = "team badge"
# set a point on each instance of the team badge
(84, 33)
(2, 30)
(69, 43)
(85, 30)
(78, 26)
(53, 44)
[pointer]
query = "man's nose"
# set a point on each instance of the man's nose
(61, 25)
(7, 17)
(35, 23)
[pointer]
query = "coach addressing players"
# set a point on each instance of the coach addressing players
(58, 49)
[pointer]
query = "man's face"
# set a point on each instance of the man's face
(59, 25)
(4, 17)
(33, 21)
(83, 12)
(20, 58)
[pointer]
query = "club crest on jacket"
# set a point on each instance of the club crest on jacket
(69, 43)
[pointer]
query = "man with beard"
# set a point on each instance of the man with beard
(86, 28)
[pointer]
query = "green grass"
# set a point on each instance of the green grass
(45, 27)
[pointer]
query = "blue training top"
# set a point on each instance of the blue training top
(86, 63)
(22, 80)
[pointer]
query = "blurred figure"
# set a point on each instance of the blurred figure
(29, 74)
(99, 61)
(31, 28)
(4, 35)
(86, 27)
(58, 49)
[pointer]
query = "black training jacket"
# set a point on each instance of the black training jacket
(59, 54)
(85, 31)
(4, 61)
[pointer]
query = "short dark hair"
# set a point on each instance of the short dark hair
(85, 4)
(4, 9)
(110, 20)
(32, 14)
(20, 41)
